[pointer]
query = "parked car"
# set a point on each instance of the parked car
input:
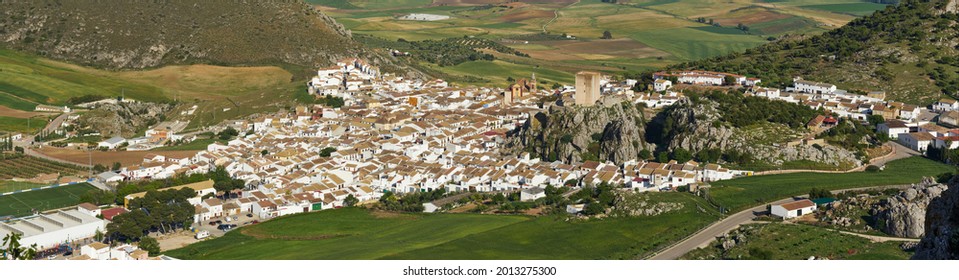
(228, 219)
(218, 222)
(249, 215)
(212, 223)
(235, 218)
(255, 222)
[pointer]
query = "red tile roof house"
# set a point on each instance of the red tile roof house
(112, 212)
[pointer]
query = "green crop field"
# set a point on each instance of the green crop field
(779, 241)
(12, 124)
(38, 80)
(354, 233)
(498, 71)
(741, 193)
(11, 100)
(694, 44)
(20, 204)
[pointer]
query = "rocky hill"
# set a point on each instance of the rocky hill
(718, 127)
(941, 240)
(124, 119)
(904, 215)
(908, 50)
(145, 34)
(575, 134)
(728, 127)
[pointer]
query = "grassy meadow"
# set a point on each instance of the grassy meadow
(221, 92)
(741, 193)
(780, 241)
(356, 233)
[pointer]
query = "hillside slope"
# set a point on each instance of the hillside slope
(146, 34)
(908, 50)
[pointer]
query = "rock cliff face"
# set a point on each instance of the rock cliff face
(575, 133)
(124, 119)
(904, 215)
(941, 241)
(145, 34)
(697, 126)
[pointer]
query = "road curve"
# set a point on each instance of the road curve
(704, 237)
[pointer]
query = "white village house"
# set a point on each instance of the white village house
(793, 209)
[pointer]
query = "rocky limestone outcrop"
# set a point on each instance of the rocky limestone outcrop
(631, 204)
(697, 126)
(904, 214)
(572, 133)
(124, 118)
(941, 241)
(951, 6)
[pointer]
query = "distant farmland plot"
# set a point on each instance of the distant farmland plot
(21, 204)
(661, 31)
(692, 44)
(856, 9)
(354, 233)
(498, 71)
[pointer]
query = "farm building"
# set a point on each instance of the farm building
(50, 230)
(794, 209)
(112, 143)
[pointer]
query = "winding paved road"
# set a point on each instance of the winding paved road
(704, 237)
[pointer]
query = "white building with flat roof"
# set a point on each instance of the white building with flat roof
(50, 230)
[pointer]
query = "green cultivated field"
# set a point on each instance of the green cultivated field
(36, 80)
(20, 204)
(22, 124)
(498, 71)
(741, 193)
(12, 101)
(353, 233)
(780, 241)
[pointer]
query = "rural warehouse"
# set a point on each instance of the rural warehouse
(49, 230)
